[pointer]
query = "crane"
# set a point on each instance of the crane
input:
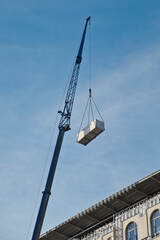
(64, 125)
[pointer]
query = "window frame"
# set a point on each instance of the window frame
(153, 223)
(128, 231)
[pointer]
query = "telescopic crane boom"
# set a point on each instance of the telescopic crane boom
(64, 126)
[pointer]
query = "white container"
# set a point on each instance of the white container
(90, 132)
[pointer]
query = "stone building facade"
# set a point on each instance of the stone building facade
(131, 214)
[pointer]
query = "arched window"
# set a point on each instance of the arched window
(131, 231)
(155, 222)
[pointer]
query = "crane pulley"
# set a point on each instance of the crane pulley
(64, 126)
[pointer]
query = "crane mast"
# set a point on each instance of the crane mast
(66, 114)
(64, 125)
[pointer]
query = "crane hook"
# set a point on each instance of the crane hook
(90, 93)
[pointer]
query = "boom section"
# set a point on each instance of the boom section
(66, 114)
(64, 126)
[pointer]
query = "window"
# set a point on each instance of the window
(155, 222)
(131, 232)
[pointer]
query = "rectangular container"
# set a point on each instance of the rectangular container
(90, 132)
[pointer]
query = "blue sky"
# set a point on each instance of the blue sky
(39, 41)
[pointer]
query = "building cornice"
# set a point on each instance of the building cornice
(102, 211)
